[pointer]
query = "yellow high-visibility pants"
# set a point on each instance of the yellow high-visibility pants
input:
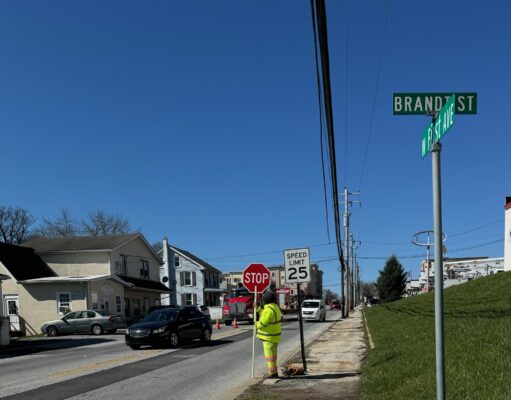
(270, 355)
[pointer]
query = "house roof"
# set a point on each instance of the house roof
(23, 263)
(145, 283)
(71, 279)
(195, 259)
(78, 243)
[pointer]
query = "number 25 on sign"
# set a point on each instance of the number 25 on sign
(297, 265)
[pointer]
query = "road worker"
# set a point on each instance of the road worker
(269, 329)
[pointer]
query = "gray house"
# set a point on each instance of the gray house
(191, 280)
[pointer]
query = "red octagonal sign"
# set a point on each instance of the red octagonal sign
(256, 276)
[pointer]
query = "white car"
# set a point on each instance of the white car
(314, 310)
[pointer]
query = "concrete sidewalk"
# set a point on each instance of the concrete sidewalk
(333, 367)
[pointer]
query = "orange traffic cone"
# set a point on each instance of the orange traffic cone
(217, 326)
(235, 323)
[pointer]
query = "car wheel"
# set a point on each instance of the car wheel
(206, 336)
(97, 330)
(52, 331)
(174, 339)
(135, 346)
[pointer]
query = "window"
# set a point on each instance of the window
(187, 278)
(63, 303)
(188, 299)
(95, 301)
(121, 266)
(177, 261)
(118, 304)
(144, 269)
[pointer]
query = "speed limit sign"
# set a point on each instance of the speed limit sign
(297, 265)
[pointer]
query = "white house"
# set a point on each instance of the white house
(193, 280)
(507, 235)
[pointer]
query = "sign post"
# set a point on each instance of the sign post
(443, 107)
(256, 278)
(297, 267)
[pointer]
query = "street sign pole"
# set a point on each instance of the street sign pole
(297, 267)
(439, 270)
(302, 345)
(254, 335)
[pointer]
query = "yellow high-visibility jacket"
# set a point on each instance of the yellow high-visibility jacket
(269, 326)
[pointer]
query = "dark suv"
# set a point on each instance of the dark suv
(169, 326)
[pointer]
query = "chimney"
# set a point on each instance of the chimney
(507, 235)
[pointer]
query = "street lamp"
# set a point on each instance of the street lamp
(416, 240)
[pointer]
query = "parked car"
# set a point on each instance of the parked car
(169, 327)
(84, 321)
(314, 310)
(335, 305)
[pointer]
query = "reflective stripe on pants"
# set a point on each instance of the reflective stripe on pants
(270, 355)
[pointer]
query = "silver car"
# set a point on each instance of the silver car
(84, 321)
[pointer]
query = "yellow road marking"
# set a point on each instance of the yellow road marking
(103, 364)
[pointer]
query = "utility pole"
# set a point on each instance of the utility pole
(347, 299)
(353, 274)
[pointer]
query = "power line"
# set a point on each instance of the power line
(320, 26)
(262, 253)
(321, 117)
(346, 84)
(477, 228)
(378, 74)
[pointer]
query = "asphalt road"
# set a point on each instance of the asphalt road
(84, 367)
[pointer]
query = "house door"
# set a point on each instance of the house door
(12, 311)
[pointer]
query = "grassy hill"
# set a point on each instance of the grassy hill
(477, 344)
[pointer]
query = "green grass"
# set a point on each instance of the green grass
(477, 322)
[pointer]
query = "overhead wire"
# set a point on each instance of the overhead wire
(378, 74)
(321, 121)
(320, 25)
(346, 83)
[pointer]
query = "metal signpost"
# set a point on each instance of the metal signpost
(442, 107)
(297, 267)
(256, 278)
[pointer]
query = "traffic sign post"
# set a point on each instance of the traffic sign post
(443, 107)
(256, 278)
(297, 268)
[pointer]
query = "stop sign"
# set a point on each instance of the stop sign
(256, 275)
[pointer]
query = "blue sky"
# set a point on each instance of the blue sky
(199, 121)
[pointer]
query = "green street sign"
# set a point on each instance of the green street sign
(425, 103)
(444, 122)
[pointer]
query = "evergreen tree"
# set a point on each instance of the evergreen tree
(391, 283)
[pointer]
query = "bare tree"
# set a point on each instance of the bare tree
(62, 226)
(102, 224)
(15, 224)
(369, 290)
(157, 246)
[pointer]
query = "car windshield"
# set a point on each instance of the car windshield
(161, 315)
(239, 293)
(310, 304)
